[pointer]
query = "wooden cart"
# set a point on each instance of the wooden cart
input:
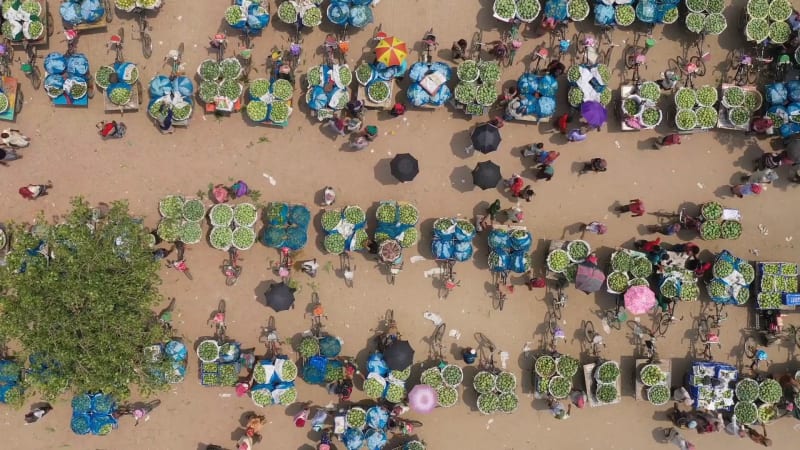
(132, 105)
(640, 393)
(386, 105)
(49, 27)
(722, 111)
(588, 378)
(10, 87)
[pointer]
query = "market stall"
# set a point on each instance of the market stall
(286, 226)
(445, 380)
(272, 382)
(511, 10)
(654, 12)
(452, 239)
(181, 219)
(221, 87)
(477, 88)
(732, 279)
(638, 107)
(93, 413)
(428, 88)
(777, 285)
(783, 107)
(270, 101)
(588, 83)
(10, 98)
(679, 283)
(219, 364)
(568, 259)
(719, 222)
(323, 102)
(554, 375)
(345, 229)
(653, 381)
(509, 249)
(126, 93)
(251, 16)
(27, 21)
(603, 383)
(232, 226)
(695, 109)
(705, 17)
(756, 401)
(628, 268)
(65, 81)
(397, 221)
(84, 15)
(705, 392)
(349, 13)
(378, 84)
(537, 98)
(381, 383)
(167, 361)
(766, 22)
(738, 107)
(496, 391)
(321, 363)
(174, 95)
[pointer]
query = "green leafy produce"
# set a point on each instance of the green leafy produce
(769, 391)
(77, 91)
(638, 282)
(715, 6)
(378, 91)
(506, 382)
(686, 119)
(488, 403)
(288, 397)
(685, 98)
(757, 30)
(360, 239)
(560, 387)
(696, 5)
(772, 269)
(670, 16)
(231, 89)
(157, 110)
(33, 7)
(279, 112)
(282, 89)
(312, 17)
(624, 15)
(527, 10)
(468, 71)
(363, 74)
(768, 282)
(649, 90)
(401, 375)
(228, 375)
(631, 106)
(706, 95)
(373, 388)
(641, 267)
(261, 397)
(120, 96)
(169, 229)
(722, 268)
(395, 393)
(779, 32)
(345, 75)
(746, 412)
(621, 261)
(474, 109)
(230, 69)
(578, 250)
(443, 224)
(689, 292)
(716, 289)
(578, 10)
(330, 219)
(334, 243)
(191, 233)
(608, 372)
(567, 366)
(210, 70)
(706, 117)
(575, 96)
(486, 95)
(208, 351)
(788, 269)
(447, 396)
(543, 385)
(779, 11)
(715, 24)
(260, 86)
(209, 367)
(308, 347)
(333, 373)
(465, 92)
(485, 382)
(573, 73)
(221, 238)
(244, 215)
(410, 237)
(658, 395)
(739, 116)
(605, 97)
(742, 296)
(695, 22)
(652, 375)
(617, 281)
(182, 112)
(767, 413)
(557, 260)
(489, 72)
(356, 418)
(730, 229)
(545, 366)
(758, 9)
(452, 375)
(747, 271)
(606, 393)
(102, 76)
(505, 9)
(669, 289)
(234, 14)
(408, 214)
(432, 377)
(221, 215)
(287, 12)
(243, 238)
(171, 207)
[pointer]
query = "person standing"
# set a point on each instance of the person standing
(398, 110)
(546, 172)
(469, 355)
(527, 193)
(561, 123)
(459, 50)
(670, 139)
(576, 135)
(515, 184)
(371, 132)
(635, 207)
(746, 189)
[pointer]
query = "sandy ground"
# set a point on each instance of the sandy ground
(303, 158)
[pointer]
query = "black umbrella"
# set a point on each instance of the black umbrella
(793, 150)
(486, 175)
(280, 297)
(485, 138)
(404, 167)
(399, 355)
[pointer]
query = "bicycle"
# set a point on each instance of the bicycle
(230, 267)
(142, 31)
(512, 42)
(174, 58)
(756, 355)
(269, 337)
(743, 64)
(219, 43)
(614, 317)
(560, 299)
(29, 68)
(165, 316)
(388, 337)
(348, 269)
(403, 426)
(6, 57)
(179, 263)
(666, 318)
(587, 47)
(501, 280)
(436, 351)
(429, 46)
(317, 313)
(593, 339)
(636, 56)
(284, 267)
(393, 269)
(554, 331)
(486, 363)
(606, 31)
(448, 279)
(644, 340)
(109, 10)
(115, 43)
(138, 410)
(476, 46)
(71, 38)
(217, 321)
(707, 336)
(690, 68)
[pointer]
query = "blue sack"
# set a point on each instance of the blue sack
(776, 94)
(443, 69)
(102, 404)
(417, 95)
(176, 350)
(274, 237)
(80, 423)
(5, 388)
(55, 63)
(498, 239)
(418, 71)
(70, 13)
(360, 16)
(231, 353)
(299, 215)
(54, 81)
(92, 11)
(604, 14)
(312, 375)
(385, 73)
(793, 111)
(183, 86)
(160, 85)
(376, 364)
(376, 439)
(296, 238)
(520, 240)
(330, 347)
(529, 105)
(441, 96)
(465, 231)
(338, 12)
(547, 106)
(498, 261)
(99, 424)
(793, 89)
(463, 256)
(442, 249)
(353, 439)
(519, 262)
(257, 17)
(646, 11)
(377, 417)
(557, 9)
(548, 86)
(789, 129)
(361, 2)
(319, 99)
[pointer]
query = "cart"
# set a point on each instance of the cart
(386, 105)
(10, 87)
(49, 26)
(64, 100)
(722, 111)
(640, 393)
(132, 105)
(626, 91)
(555, 244)
(588, 378)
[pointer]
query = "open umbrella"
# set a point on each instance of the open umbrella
(589, 278)
(486, 175)
(399, 355)
(404, 167)
(391, 51)
(594, 113)
(422, 398)
(485, 138)
(639, 299)
(280, 297)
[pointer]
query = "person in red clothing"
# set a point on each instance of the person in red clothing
(515, 185)
(635, 207)
(651, 246)
(561, 123)
(34, 191)
(702, 269)
(497, 122)
(338, 125)
(762, 125)
(398, 110)
(672, 139)
(107, 128)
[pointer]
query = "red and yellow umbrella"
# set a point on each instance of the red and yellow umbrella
(391, 51)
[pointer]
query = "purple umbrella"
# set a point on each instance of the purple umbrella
(594, 113)
(422, 398)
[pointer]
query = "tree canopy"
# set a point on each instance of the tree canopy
(76, 299)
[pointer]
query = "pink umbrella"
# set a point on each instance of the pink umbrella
(423, 398)
(639, 299)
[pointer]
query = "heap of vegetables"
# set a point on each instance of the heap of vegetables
(496, 392)
(657, 11)
(696, 108)
(232, 226)
(345, 229)
(714, 227)
(523, 10)
(220, 83)
(595, 80)
(615, 14)
(223, 369)
(324, 102)
(644, 105)
(537, 94)
(628, 269)
(252, 16)
(446, 381)
(732, 279)
(578, 10)
(270, 101)
(306, 13)
(756, 402)
(286, 226)
(509, 250)
(777, 279)
(167, 362)
(349, 13)
(606, 376)
(392, 387)
(180, 219)
(429, 84)
(707, 396)
(92, 413)
(678, 283)
(273, 382)
(655, 379)
(783, 106)
(477, 85)
(452, 239)
(740, 105)
(66, 76)
(553, 375)
(397, 220)
(23, 20)
(768, 20)
(705, 16)
(130, 5)
(174, 95)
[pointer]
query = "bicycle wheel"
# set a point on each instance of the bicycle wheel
(588, 332)
(629, 56)
(556, 309)
(750, 75)
(702, 329)
(701, 65)
(606, 56)
(551, 323)
(662, 323)
(677, 65)
(750, 347)
(476, 44)
(612, 317)
(147, 45)
(109, 11)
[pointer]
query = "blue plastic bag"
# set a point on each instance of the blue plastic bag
(519, 262)
(296, 238)
(529, 105)
(54, 81)
(548, 86)
(793, 89)
(442, 249)
(464, 234)
(520, 240)
(377, 417)
(183, 86)
(92, 11)
(274, 237)
(80, 423)
(160, 85)
(443, 69)
(376, 439)
(376, 364)
(360, 16)
(441, 96)
(55, 63)
(353, 439)
(603, 14)
(98, 422)
(70, 13)
(257, 17)
(418, 71)
(547, 106)
(338, 12)
(557, 9)
(776, 94)
(102, 404)
(319, 99)
(498, 239)
(647, 12)
(299, 215)
(500, 264)
(417, 95)
(330, 347)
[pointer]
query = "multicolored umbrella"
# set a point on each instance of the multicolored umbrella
(639, 299)
(391, 51)
(422, 398)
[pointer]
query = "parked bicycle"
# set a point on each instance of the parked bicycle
(429, 46)
(317, 314)
(554, 332)
(165, 316)
(708, 336)
(217, 321)
(175, 59)
(636, 56)
(755, 354)
(179, 263)
(142, 29)
(594, 340)
(742, 63)
(6, 57)
(614, 317)
(666, 318)
(689, 68)
(391, 334)
(448, 280)
(501, 282)
(347, 267)
(436, 350)
(71, 38)
(269, 337)
(284, 267)
(219, 43)
(29, 67)
(587, 49)
(476, 46)
(139, 411)
(486, 348)
(644, 340)
(115, 43)
(560, 299)
(231, 268)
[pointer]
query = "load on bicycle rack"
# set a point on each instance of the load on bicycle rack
(345, 232)
(328, 85)
(175, 95)
(221, 358)
(396, 231)
(286, 227)
(349, 13)
(273, 379)
(86, 14)
(32, 25)
(553, 375)
(537, 98)
(572, 262)
(68, 79)
(378, 78)
(120, 80)
(452, 243)
(270, 100)
(249, 17)
(93, 412)
(589, 79)
(731, 280)
(476, 90)
(428, 88)
(711, 385)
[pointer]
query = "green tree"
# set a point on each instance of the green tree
(77, 298)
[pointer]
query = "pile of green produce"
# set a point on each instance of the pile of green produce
(559, 387)
(447, 396)
(403, 214)
(606, 393)
(221, 238)
(578, 250)
(488, 403)
(379, 91)
(288, 397)
(228, 375)
(527, 10)
(373, 387)
(617, 282)
(567, 366)
(747, 390)
(309, 346)
(711, 211)
(452, 375)
(658, 395)
(652, 375)
(706, 16)
(208, 351)
(746, 412)
(485, 382)
(433, 377)
(558, 260)
(505, 9)
(477, 84)
(395, 393)
(767, 413)
(706, 95)
(608, 372)
(221, 215)
(356, 418)
(739, 116)
(401, 375)
(650, 90)
(261, 397)
(120, 96)
(363, 75)
(768, 20)
(686, 119)
(506, 382)
(578, 10)
(770, 391)
(209, 70)
(624, 15)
